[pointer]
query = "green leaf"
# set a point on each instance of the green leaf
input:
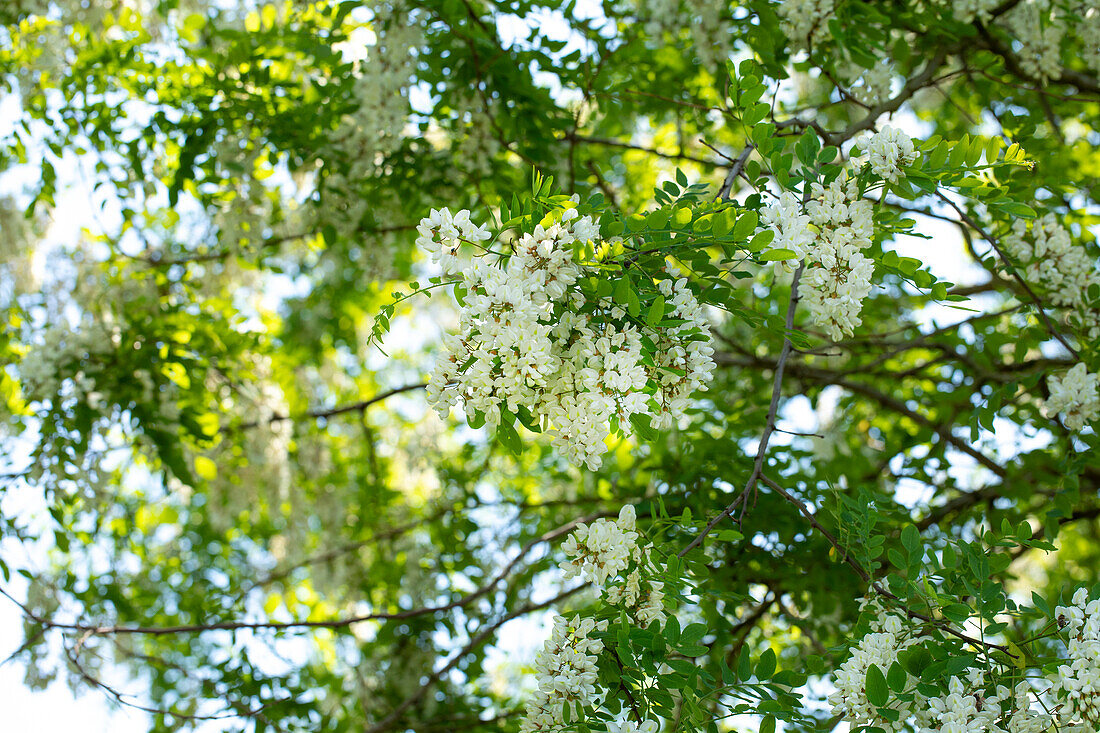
(693, 633)
(896, 678)
(746, 225)
(776, 255)
(915, 660)
(756, 113)
(1014, 208)
(959, 152)
(658, 219)
(877, 691)
(765, 666)
(760, 240)
(723, 221)
(939, 155)
(910, 538)
(656, 311)
(681, 217)
(507, 434)
(744, 665)
(622, 291)
(672, 631)
(633, 305)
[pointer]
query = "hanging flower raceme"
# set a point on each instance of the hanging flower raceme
(1063, 269)
(975, 699)
(566, 673)
(828, 234)
(605, 551)
(531, 342)
(1077, 683)
(878, 648)
(608, 550)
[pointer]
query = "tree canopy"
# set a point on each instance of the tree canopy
(498, 365)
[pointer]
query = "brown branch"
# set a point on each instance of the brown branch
(912, 86)
(330, 412)
(892, 403)
(1069, 77)
(72, 654)
(734, 172)
(769, 424)
(570, 137)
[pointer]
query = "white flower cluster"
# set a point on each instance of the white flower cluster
(969, 707)
(1088, 30)
(629, 726)
(66, 353)
(966, 707)
(20, 8)
(380, 90)
(970, 704)
(566, 673)
(604, 551)
(968, 10)
(805, 21)
(791, 225)
(1039, 32)
(1018, 715)
(1076, 395)
(872, 87)
(474, 137)
(373, 129)
(829, 234)
(834, 292)
(442, 234)
(888, 151)
(566, 666)
(963, 709)
(661, 17)
(1078, 682)
(685, 362)
(1064, 269)
(245, 210)
(527, 341)
(710, 31)
(880, 647)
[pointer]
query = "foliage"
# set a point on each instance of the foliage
(774, 322)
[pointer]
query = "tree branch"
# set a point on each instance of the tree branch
(769, 424)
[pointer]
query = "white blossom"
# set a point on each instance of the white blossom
(629, 726)
(602, 549)
(873, 86)
(565, 671)
(805, 21)
(828, 234)
(529, 341)
(1077, 683)
(880, 647)
(1076, 395)
(1039, 31)
(888, 151)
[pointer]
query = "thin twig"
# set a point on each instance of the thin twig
(769, 424)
